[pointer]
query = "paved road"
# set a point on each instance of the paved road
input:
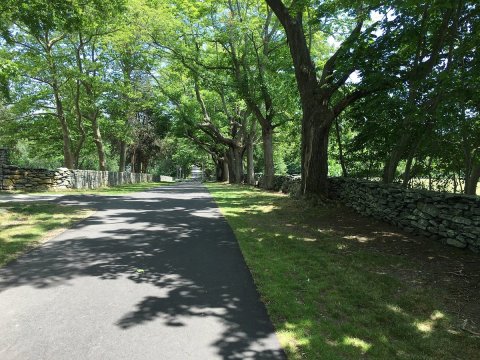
(151, 275)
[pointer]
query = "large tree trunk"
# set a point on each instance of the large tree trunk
(97, 138)
(68, 159)
(250, 164)
(81, 128)
(235, 165)
(391, 164)
(218, 169)
(226, 170)
(471, 180)
(89, 89)
(221, 168)
(407, 175)
(133, 160)
(123, 156)
(315, 151)
(317, 116)
(269, 167)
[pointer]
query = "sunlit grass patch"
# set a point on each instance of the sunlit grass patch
(114, 190)
(328, 297)
(356, 342)
(23, 226)
(291, 339)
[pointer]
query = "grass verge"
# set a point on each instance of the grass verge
(119, 190)
(23, 226)
(116, 190)
(329, 303)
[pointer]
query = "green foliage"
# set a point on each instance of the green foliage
(172, 83)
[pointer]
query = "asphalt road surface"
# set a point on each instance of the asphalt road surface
(151, 275)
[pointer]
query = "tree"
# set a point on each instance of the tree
(315, 95)
(38, 31)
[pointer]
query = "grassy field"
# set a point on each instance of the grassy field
(328, 300)
(22, 226)
(117, 190)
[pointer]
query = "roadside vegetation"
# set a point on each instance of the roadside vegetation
(366, 89)
(332, 295)
(115, 190)
(23, 226)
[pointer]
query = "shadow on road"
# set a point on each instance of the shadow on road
(173, 238)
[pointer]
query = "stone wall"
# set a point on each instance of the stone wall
(20, 178)
(450, 218)
(286, 183)
(28, 179)
(89, 179)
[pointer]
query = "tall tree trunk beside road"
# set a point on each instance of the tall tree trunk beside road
(316, 95)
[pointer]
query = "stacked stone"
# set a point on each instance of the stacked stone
(19, 178)
(291, 185)
(28, 179)
(63, 179)
(282, 183)
(89, 179)
(450, 218)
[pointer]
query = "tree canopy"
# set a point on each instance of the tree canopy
(382, 90)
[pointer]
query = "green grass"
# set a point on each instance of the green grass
(23, 226)
(329, 303)
(116, 190)
(121, 189)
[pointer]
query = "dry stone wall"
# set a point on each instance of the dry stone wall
(89, 179)
(21, 178)
(450, 218)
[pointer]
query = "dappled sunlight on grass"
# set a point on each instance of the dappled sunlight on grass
(385, 233)
(326, 231)
(293, 338)
(356, 342)
(361, 239)
(395, 309)
(25, 225)
(292, 237)
(114, 190)
(328, 297)
(263, 209)
(427, 326)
